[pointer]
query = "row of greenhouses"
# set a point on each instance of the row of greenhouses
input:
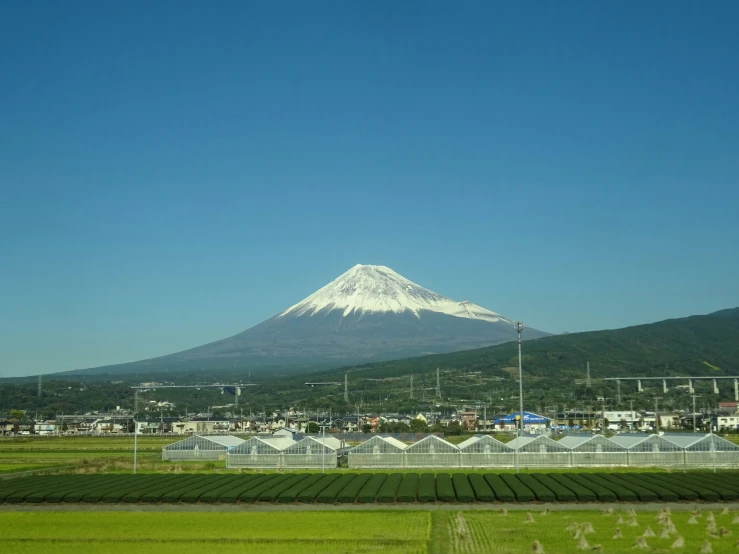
(686, 450)
(273, 452)
(261, 452)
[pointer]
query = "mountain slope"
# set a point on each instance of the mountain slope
(368, 313)
(686, 346)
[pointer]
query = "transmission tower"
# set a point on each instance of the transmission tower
(346, 388)
(438, 384)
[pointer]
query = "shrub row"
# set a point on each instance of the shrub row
(371, 489)
(381, 487)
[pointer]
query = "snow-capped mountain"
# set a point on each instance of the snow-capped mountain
(372, 289)
(369, 313)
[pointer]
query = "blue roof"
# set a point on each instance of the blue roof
(528, 417)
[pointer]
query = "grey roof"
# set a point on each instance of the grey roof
(278, 443)
(587, 442)
(701, 442)
(225, 440)
(395, 442)
(629, 440)
(430, 440)
(522, 442)
(487, 439)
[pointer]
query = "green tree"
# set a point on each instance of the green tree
(17, 414)
(419, 426)
(454, 428)
(312, 427)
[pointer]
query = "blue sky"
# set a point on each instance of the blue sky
(172, 173)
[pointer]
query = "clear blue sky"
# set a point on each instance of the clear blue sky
(175, 172)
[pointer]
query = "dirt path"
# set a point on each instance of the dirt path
(297, 507)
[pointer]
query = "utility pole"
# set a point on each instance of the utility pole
(618, 393)
(656, 414)
(438, 385)
(135, 430)
(694, 397)
(411, 386)
(39, 385)
(587, 375)
(323, 450)
(519, 329)
(346, 388)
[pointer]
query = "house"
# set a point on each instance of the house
(468, 420)
(204, 426)
(7, 426)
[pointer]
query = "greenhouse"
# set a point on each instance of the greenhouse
(539, 451)
(706, 450)
(485, 451)
(201, 447)
(378, 451)
(432, 451)
(650, 450)
(312, 452)
(259, 452)
(594, 451)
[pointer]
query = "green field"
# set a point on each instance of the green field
(370, 488)
(321, 532)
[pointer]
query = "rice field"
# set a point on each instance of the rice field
(394, 532)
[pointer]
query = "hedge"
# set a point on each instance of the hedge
(562, 493)
(168, 493)
(311, 492)
(389, 488)
(483, 492)
(371, 489)
(522, 492)
(722, 486)
(541, 491)
(271, 494)
(645, 495)
(140, 484)
(622, 493)
(97, 495)
(427, 488)
(329, 494)
(699, 490)
(291, 494)
(408, 487)
(444, 488)
(502, 491)
(462, 488)
(233, 494)
(60, 487)
(582, 492)
(81, 492)
(663, 492)
(351, 490)
(195, 489)
(19, 494)
(212, 495)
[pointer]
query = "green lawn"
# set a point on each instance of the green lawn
(438, 532)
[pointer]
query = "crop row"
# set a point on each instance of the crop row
(381, 487)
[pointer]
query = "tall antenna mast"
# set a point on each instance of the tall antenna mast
(587, 375)
(411, 386)
(438, 384)
(39, 385)
(346, 388)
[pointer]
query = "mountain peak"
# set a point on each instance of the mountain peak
(367, 289)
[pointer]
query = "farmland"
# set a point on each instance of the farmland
(439, 532)
(368, 488)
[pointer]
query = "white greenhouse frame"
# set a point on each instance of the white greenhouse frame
(310, 453)
(432, 451)
(650, 450)
(706, 450)
(540, 451)
(485, 451)
(379, 451)
(594, 451)
(200, 447)
(259, 452)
